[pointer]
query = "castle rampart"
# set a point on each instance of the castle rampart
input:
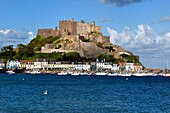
(70, 27)
(48, 32)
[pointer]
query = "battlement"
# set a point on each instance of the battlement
(71, 27)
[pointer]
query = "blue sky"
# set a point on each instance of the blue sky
(141, 26)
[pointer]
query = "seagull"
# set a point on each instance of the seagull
(45, 93)
(126, 78)
(23, 79)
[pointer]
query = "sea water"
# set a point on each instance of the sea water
(23, 93)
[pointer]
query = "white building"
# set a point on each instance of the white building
(104, 65)
(41, 64)
(129, 66)
(85, 67)
(2, 64)
(115, 67)
(13, 64)
(100, 65)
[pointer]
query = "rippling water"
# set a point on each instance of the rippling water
(83, 94)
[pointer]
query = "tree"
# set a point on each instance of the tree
(72, 56)
(24, 52)
(7, 52)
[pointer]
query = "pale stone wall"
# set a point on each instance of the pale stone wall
(50, 46)
(45, 50)
(73, 38)
(68, 26)
(48, 32)
(82, 29)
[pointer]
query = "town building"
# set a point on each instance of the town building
(129, 66)
(13, 64)
(2, 64)
(27, 64)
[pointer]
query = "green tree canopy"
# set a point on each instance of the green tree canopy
(7, 52)
(72, 56)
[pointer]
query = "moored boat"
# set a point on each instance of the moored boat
(35, 72)
(100, 73)
(10, 72)
(75, 74)
(63, 73)
(127, 74)
(112, 74)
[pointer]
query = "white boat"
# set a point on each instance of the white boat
(100, 73)
(83, 73)
(10, 72)
(63, 73)
(35, 72)
(139, 74)
(89, 73)
(112, 74)
(127, 74)
(75, 74)
(150, 74)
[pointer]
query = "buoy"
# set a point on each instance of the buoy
(45, 93)
(23, 79)
(126, 78)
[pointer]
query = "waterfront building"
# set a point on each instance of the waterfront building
(114, 67)
(27, 64)
(51, 65)
(129, 66)
(13, 64)
(122, 66)
(138, 67)
(41, 64)
(2, 64)
(93, 66)
(100, 65)
(80, 67)
(64, 65)
(106, 66)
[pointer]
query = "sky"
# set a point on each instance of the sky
(140, 26)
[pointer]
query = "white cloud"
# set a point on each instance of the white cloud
(165, 19)
(12, 37)
(144, 42)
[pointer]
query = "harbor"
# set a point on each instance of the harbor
(101, 68)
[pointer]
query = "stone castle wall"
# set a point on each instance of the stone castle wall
(70, 27)
(73, 38)
(48, 32)
(45, 50)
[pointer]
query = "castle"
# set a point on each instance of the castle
(84, 38)
(73, 28)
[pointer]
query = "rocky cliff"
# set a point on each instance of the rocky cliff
(89, 49)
